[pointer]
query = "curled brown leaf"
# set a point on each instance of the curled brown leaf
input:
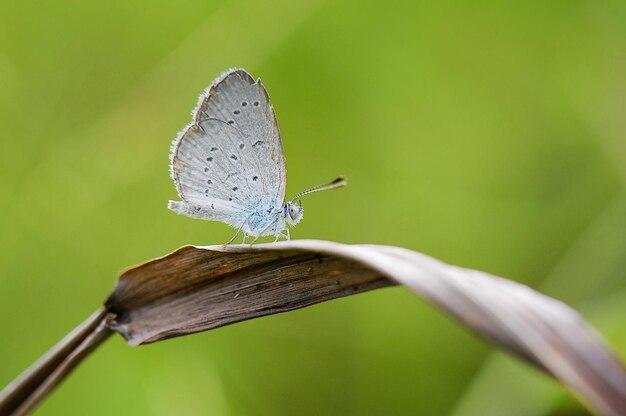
(199, 288)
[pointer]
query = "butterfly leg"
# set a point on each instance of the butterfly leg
(245, 235)
(233, 238)
(283, 233)
(236, 234)
(254, 241)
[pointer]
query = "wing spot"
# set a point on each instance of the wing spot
(236, 112)
(235, 188)
(212, 206)
(258, 143)
(209, 181)
(213, 149)
(254, 178)
(206, 169)
(233, 157)
(231, 122)
(256, 103)
(209, 159)
(244, 104)
(230, 199)
(241, 146)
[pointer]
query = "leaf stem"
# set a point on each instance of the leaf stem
(34, 384)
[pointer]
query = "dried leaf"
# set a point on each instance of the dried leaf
(195, 289)
(199, 288)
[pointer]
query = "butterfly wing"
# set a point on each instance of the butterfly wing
(238, 100)
(230, 158)
(207, 179)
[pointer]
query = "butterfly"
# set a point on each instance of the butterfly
(228, 164)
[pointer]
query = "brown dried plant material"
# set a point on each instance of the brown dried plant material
(198, 288)
(195, 289)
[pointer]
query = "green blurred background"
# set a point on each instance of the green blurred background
(488, 134)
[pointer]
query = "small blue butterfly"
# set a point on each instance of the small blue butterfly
(228, 163)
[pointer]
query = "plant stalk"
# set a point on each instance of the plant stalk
(34, 384)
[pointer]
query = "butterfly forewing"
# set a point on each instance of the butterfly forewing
(238, 100)
(231, 156)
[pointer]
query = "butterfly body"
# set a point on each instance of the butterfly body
(228, 164)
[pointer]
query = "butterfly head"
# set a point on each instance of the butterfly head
(293, 212)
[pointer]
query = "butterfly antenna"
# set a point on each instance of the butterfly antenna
(340, 182)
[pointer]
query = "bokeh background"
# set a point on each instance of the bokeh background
(487, 134)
